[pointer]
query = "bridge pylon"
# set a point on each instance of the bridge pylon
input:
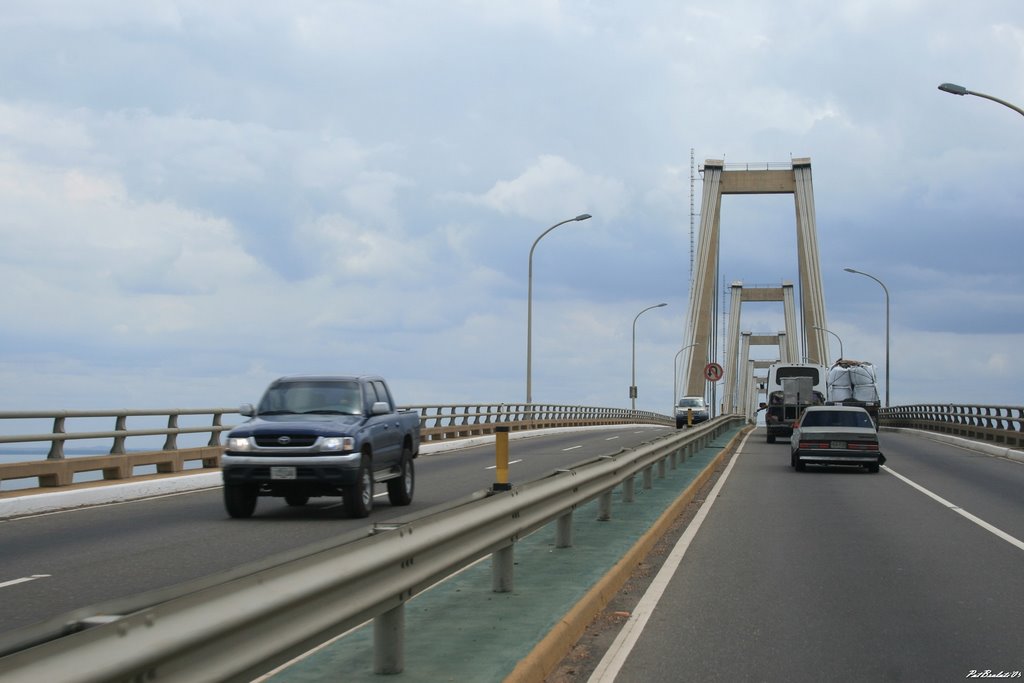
(699, 333)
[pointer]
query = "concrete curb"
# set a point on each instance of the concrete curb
(36, 503)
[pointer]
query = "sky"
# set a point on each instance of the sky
(198, 197)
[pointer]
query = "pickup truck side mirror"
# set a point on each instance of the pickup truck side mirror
(380, 408)
(247, 410)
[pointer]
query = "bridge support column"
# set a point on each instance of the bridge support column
(629, 489)
(389, 641)
(648, 477)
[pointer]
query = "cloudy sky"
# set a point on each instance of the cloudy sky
(197, 197)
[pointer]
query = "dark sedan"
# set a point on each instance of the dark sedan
(835, 435)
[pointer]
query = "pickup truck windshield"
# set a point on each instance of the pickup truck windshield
(328, 398)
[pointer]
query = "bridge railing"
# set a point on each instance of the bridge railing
(207, 629)
(1002, 425)
(59, 468)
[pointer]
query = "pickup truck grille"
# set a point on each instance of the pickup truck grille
(285, 440)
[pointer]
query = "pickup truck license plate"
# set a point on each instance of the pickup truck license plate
(838, 444)
(282, 472)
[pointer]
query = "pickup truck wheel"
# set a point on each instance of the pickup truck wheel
(240, 500)
(400, 489)
(771, 438)
(296, 500)
(359, 496)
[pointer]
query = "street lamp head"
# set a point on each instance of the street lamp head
(660, 305)
(851, 270)
(582, 217)
(953, 89)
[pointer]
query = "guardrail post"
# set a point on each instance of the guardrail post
(629, 489)
(389, 641)
(215, 433)
(171, 443)
(604, 506)
(57, 445)
(563, 531)
(503, 569)
(120, 425)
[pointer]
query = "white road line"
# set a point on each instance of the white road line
(23, 579)
(616, 656)
(611, 438)
(980, 522)
(510, 462)
(572, 448)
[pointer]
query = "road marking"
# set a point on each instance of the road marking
(609, 666)
(24, 579)
(510, 462)
(611, 438)
(572, 448)
(960, 511)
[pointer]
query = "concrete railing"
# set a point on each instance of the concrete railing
(1002, 425)
(437, 422)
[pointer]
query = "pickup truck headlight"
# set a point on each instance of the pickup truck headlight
(338, 443)
(239, 443)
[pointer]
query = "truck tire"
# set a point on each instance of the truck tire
(240, 500)
(359, 496)
(401, 488)
(771, 438)
(296, 500)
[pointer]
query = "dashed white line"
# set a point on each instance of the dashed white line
(572, 448)
(611, 438)
(960, 511)
(510, 462)
(24, 579)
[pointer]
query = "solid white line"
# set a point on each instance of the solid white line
(571, 448)
(980, 522)
(616, 656)
(23, 579)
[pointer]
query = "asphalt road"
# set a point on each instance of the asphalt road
(841, 575)
(53, 563)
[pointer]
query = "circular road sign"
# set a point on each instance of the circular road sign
(713, 372)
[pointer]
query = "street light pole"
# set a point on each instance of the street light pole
(675, 376)
(886, 290)
(955, 89)
(632, 387)
(841, 356)
(529, 306)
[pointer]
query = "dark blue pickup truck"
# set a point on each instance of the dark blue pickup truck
(321, 436)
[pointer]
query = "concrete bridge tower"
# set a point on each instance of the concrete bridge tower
(796, 180)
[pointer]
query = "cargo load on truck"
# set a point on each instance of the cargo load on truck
(854, 383)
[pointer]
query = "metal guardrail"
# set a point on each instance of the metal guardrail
(241, 624)
(437, 422)
(1003, 425)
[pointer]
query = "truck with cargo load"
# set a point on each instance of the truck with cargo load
(313, 436)
(790, 389)
(854, 383)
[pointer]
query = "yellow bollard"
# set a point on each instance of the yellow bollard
(501, 459)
